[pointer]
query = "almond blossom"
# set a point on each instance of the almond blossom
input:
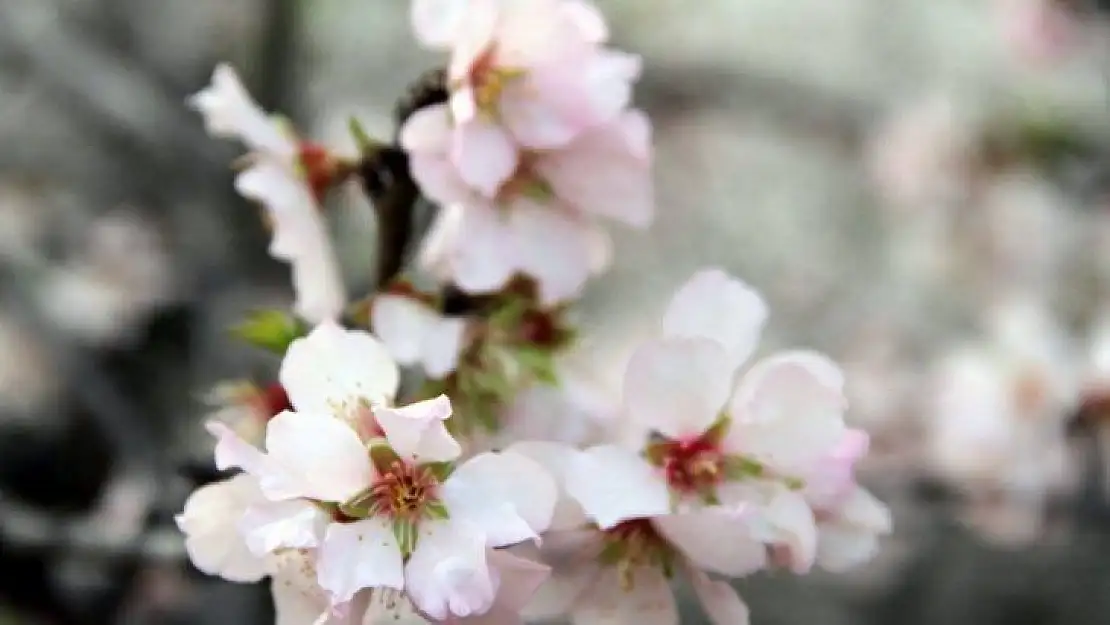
(542, 221)
(523, 73)
(371, 487)
(288, 176)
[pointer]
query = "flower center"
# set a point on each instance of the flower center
(692, 466)
(487, 81)
(403, 492)
(635, 544)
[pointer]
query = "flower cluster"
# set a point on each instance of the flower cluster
(468, 489)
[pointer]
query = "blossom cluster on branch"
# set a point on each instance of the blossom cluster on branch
(368, 492)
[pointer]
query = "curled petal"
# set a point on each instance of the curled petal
(359, 555)
(448, 574)
(271, 525)
(417, 431)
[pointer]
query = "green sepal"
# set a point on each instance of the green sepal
(741, 468)
(382, 455)
(405, 531)
(272, 330)
(717, 432)
(539, 364)
(435, 510)
(441, 470)
(358, 507)
(794, 483)
(612, 553)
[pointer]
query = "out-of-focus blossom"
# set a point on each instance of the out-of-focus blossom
(365, 483)
(921, 156)
(542, 221)
(1038, 31)
(529, 74)
(416, 334)
(288, 176)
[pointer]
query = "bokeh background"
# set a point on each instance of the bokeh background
(921, 188)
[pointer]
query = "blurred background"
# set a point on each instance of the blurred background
(921, 188)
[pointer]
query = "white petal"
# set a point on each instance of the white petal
(484, 154)
(716, 540)
(359, 555)
(428, 130)
(333, 365)
(448, 573)
(864, 511)
(416, 431)
(510, 497)
(555, 247)
(271, 525)
(402, 323)
(323, 458)
(677, 386)
(556, 459)
(788, 411)
(232, 452)
(212, 538)
(649, 602)
(614, 484)
(588, 18)
(298, 598)
(520, 579)
(841, 548)
(229, 111)
(722, 605)
(442, 346)
(716, 306)
(484, 249)
(793, 519)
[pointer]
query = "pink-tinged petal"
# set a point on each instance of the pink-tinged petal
(483, 256)
(519, 580)
(212, 539)
(788, 411)
(428, 130)
(715, 539)
(271, 525)
(608, 78)
(677, 386)
(507, 495)
(484, 155)
(229, 111)
(589, 20)
(417, 431)
(442, 346)
(833, 477)
(438, 179)
(359, 555)
(795, 529)
(232, 452)
(473, 37)
(613, 484)
(403, 324)
(863, 510)
(721, 603)
(541, 109)
(448, 574)
(555, 458)
(322, 457)
(852, 536)
(714, 305)
(650, 601)
(553, 247)
(300, 237)
(334, 368)
(606, 171)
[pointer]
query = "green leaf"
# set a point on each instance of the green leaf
(271, 330)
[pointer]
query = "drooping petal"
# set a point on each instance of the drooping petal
(606, 171)
(716, 306)
(358, 555)
(229, 111)
(417, 431)
(613, 484)
(212, 539)
(677, 386)
(322, 457)
(484, 155)
(507, 495)
(715, 539)
(271, 525)
(721, 603)
(788, 411)
(448, 573)
(300, 236)
(555, 248)
(335, 367)
(650, 600)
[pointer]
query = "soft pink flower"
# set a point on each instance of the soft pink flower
(528, 73)
(1038, 31)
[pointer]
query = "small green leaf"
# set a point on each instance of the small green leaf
(272, 330)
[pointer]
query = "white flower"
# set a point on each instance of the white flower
(364, 483)
(212, 539)
(274, 178)
(416, 334)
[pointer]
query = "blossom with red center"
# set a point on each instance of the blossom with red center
(288, 177)
(381, 512)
